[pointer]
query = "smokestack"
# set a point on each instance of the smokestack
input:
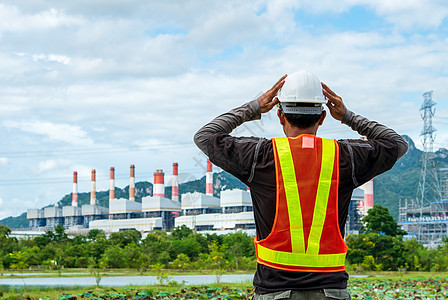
(112, 184)
(368, 195)
(159, 183)
(175, 183)
(209, 179)
(93, 189)
(75, 189)
(132, 184)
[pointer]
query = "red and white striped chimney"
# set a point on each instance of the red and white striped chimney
(209, 179)
(175, 183)
(93, 189)
(75, 189)
(368, 195)
(159, 183)
(132, 184)
(112, 184)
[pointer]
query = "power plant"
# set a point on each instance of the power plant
(199, 212)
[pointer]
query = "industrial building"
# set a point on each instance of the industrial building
(198, 211)
(427, 223)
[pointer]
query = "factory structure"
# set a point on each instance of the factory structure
(199, 212)
(426, 217)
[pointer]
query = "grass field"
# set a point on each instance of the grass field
(391, 285)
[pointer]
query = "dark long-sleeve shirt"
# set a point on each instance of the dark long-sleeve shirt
(251, 160)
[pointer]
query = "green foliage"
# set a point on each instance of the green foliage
(186, 250)
(125, 237)
(7, 244)
(181, 232)
(158, 247)
(378, 220)
(368, 264)
(239, 245)
(182, 262)
(383, 248)
(18, 260)
(114, 257)
(217, 257)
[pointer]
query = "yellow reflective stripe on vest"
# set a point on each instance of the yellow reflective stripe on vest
(323, 191)
(301, 259)
(292, 195)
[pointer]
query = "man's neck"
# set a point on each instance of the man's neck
(291, 131)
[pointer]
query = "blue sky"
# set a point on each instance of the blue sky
(94, 84)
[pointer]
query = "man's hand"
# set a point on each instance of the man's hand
(267, 101)
(334, 104)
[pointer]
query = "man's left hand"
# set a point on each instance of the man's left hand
(267, 101)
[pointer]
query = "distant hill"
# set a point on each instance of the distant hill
(400, 182)
(221, 181)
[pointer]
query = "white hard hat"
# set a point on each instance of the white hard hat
(300, 88)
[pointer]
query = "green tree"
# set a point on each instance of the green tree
(385, 249)
(114, 257)
(359, 246)
(97, 245)
(59, 234)
(93, 233)
(125, 237)
(157, 247)
(32, 255)
(368, 264)
(219, 262)
(77, 256)
(436, 259)
(18, 260)
(411, 249)
(238, 245)
(181, 232)
(7, 244)
(182, 262)
(192, 245)
(133, 256)
(378, 220)
(45, 239)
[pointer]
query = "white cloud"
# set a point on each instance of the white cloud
(408, 14)
(52, 57)
(3, 161)
(51, 164)
(70, 134)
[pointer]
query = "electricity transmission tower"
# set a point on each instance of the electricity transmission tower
(428, 192)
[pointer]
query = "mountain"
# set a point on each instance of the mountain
(221, 181)
(400, 182)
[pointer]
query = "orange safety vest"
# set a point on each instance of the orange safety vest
(305, 236)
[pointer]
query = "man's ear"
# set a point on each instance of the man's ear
(281, 117)
(322, 117)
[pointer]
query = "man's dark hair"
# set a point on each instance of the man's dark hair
(302, 121)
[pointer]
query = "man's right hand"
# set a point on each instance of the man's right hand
(267, 100)
(334, 104)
